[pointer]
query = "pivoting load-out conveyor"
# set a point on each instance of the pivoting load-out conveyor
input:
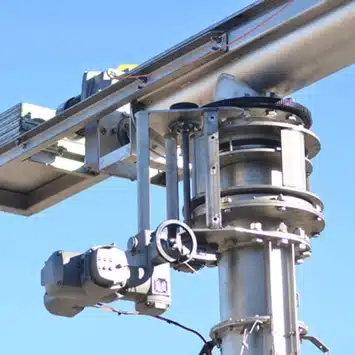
(271, 46)
(211, 112)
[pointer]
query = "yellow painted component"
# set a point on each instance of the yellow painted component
(126, 67)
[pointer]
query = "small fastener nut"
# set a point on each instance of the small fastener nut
(307, 254)
(256, 226)
(271, 113)
(302, 246)
(132, 244)
(300, 232)
(282, 227)
(226, 199)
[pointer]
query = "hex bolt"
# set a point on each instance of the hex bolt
(300, 232)
(302, 246)
(271, 113)
(318, 208)
(282, 228)
(217, 39)
(292, 117)
(143, 79)
(132, 244)
(258, 240)
(256, 226)
(60, 151)
(283, 241)
(226, 199)
(307, 254)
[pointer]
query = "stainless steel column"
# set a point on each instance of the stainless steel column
(143, 178)
(259, 282)
(172, 191)
(242, 289)
(185, 137)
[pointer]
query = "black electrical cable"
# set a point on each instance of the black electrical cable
(169, 321)
(207, 348)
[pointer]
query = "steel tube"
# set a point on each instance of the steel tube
(198, 163)
(172, 192)
(259, 282)
(242, 290)
(185, 135)
(143, 178)
(295, 66)
(283, 65)
(172, 189)
(281, 299)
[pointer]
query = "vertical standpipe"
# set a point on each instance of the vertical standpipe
(185, 138)
(252, 200)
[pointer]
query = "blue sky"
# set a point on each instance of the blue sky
(46, 46)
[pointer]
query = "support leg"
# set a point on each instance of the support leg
(213, 189)
(143, 179)
(172, 191)
(185, 135)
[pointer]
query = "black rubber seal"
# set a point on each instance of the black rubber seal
(183, 106)
(272, 103)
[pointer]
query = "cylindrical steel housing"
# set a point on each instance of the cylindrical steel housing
(267, 218)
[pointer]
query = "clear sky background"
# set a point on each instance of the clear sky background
(45, 47)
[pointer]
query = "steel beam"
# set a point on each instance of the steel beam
(312, 39)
